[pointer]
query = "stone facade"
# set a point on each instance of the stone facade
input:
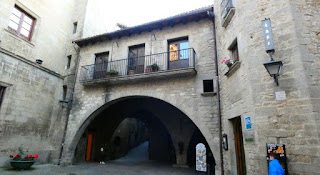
(183, 93)
(30, 115)
(250, 91)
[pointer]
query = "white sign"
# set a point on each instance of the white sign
(201, 157)
(281, 95)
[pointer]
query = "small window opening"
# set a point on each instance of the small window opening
(69, 62)
(64, 97)
(75, 25)
(2, 90)
(207, 86)
(233, 48)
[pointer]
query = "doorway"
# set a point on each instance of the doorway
(239, 148)
(179, 53)
(136, 59)
(101, 65)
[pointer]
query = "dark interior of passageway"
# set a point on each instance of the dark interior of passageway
(138, 129)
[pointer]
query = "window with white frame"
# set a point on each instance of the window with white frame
(21, 23)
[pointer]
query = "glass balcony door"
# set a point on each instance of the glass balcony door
(178, 54)
(101, 65)
(136, 59)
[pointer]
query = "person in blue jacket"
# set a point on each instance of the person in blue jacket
(274, 166)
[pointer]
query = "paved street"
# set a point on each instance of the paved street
(135, 163)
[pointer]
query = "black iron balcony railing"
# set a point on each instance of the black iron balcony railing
(160, 62)
(225, 7)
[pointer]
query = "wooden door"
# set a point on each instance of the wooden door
(239, 148)
(89, 147)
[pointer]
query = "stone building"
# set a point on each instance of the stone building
(247, 90)
(32, 31)
(164, 78)
(161, 73)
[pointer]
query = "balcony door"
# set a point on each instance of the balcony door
(136, 59)
(101, 65)
(179, 54)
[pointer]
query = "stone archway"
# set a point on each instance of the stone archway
(75, 133)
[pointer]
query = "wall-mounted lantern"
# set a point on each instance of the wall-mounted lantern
(225, 141)
(273, 67)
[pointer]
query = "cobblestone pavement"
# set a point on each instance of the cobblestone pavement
(134, 163)
(145, 168)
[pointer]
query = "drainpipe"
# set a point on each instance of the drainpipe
(69, 104)
(212, 17)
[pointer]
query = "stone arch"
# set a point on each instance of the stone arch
(74, 135)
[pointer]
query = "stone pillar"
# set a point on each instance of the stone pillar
(181, 154)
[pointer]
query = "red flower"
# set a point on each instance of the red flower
(36, 156)
(11, 156)
(30, 156)
(16, 156)
(26, 157)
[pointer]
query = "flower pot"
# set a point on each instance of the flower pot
(148, 69)
(229, 64)
(155, 69)
(21, 165)
(111, 75)
(131, 72)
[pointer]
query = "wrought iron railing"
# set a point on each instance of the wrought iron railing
(140, 65)
(225, 7)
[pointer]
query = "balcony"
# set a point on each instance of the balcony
(227, 12)
(180, 63)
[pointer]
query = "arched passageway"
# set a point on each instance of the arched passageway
(129, 122)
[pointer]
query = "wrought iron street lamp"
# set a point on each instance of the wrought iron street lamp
(273, 67)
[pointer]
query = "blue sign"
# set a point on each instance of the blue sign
(248, 123)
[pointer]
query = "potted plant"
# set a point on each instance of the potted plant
(154, 67)
(112, 73)
(131, 70)
(229, 62)
(22, 160)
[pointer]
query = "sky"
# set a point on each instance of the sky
(135, 12)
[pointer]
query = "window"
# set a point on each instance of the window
(2, 90)
(75, 25)
(101, 65)
(21, 23)
(179, 53)
(179, 49)
(207, 86)
(65, 88)
(69, 62)
(227, 11)
(234, 51)
(136, 58)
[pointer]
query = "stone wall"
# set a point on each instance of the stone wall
(51, 35)
(31, 115)
(30, 106)
(250, 90)
(183, 93)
